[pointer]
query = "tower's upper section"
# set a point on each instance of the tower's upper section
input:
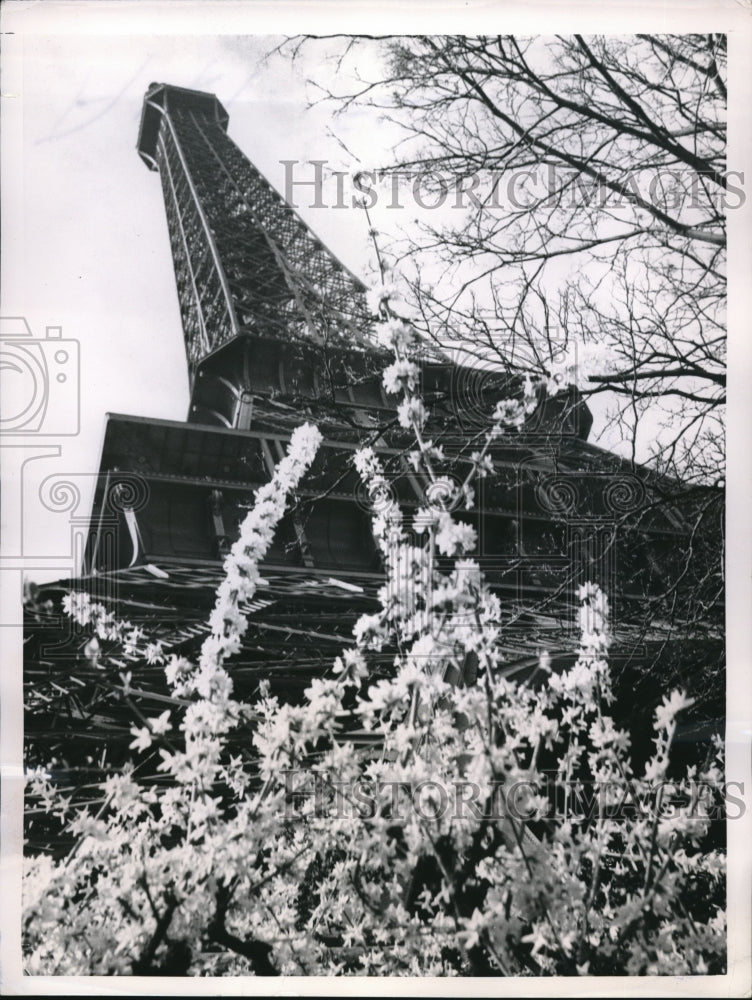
(245, 263)
(161, 99)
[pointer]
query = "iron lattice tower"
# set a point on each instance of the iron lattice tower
(245, 263)
(277, 331)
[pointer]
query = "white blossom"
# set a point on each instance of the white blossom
(411, 412)
(670, 707)
(454, 538)
(378, 295)
(402, 375)
(395, 334)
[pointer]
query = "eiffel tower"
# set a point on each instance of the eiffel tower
(277, 331)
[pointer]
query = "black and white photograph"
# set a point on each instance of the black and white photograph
(375, 565)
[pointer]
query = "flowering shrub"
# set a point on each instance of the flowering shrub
(430, 822)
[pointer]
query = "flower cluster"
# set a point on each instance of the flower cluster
(418, 812)
(227, 621)
(148, 842)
